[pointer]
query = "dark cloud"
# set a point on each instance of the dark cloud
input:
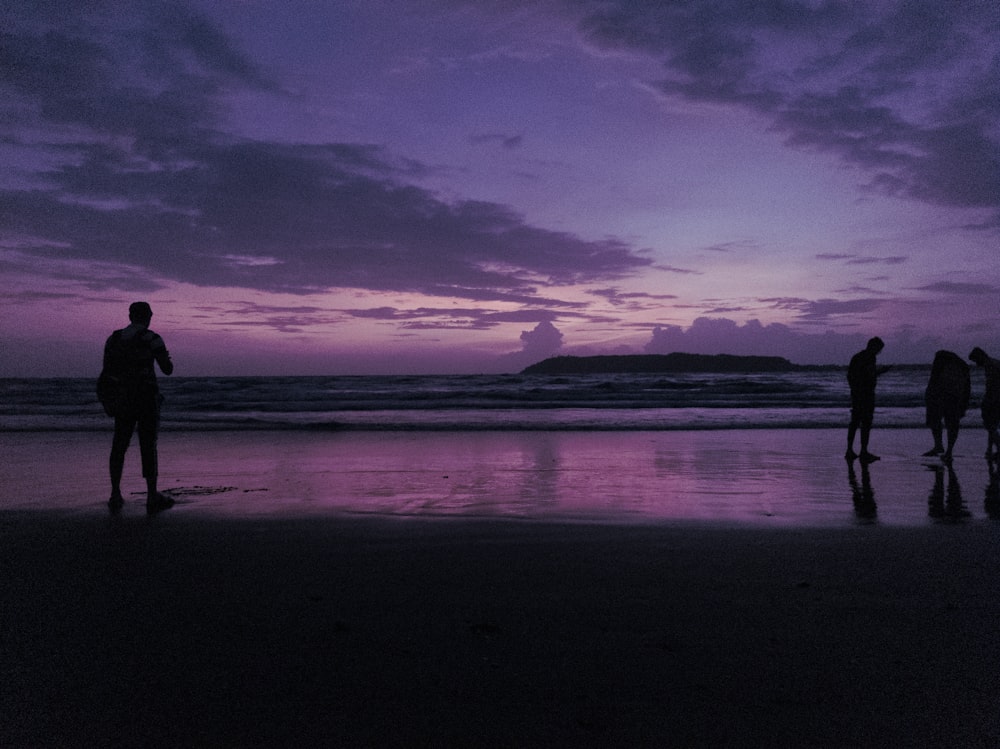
(522, 316)
(960, 289)
(142, 174)
(154, 76)
(632, 300)
(300, 218)
(908, 91)
(869, 260)
(826, 310)
(45, 297)
(742, 246)
(445, 318)
(507, 141)
(678, 271)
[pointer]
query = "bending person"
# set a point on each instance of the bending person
(946, 398)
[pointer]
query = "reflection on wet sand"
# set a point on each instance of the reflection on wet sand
(765, 477)
(991, 502)
(861, 493)
(946, 504)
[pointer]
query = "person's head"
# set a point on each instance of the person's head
(978, 356)
(875, 344)
(140, 312)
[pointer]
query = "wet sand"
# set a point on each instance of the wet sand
(764, 477)
(225, 624)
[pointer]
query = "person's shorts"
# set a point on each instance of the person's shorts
(937, 410)
(863, 410)
(991, 414)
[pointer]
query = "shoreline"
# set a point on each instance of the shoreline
(185, 630)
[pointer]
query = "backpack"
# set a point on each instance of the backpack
(119, 363)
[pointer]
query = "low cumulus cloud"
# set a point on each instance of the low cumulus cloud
(709, 335)
(542, 341)
(906, 91)
(139, 170)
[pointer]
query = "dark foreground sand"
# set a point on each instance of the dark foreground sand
(181, 630)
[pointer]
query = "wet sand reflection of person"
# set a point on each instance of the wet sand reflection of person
(946, 399)
(862, 493)
(991, 502)
(946, 504)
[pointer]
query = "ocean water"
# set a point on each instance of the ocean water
(729, 448)
(812, 399)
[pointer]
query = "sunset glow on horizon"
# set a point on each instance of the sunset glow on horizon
(445, 187)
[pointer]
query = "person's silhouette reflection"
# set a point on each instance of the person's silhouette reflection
(861, 493)
(945, 504)
(992, 501)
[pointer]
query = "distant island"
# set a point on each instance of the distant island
(676, 362)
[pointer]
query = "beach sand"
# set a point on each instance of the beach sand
(443, 621)
(768, 477)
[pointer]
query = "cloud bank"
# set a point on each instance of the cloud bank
(141, 172)
(907, 92)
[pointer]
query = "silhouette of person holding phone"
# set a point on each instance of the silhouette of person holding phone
(862, 374)
(129, 356)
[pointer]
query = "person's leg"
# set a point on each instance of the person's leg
(951, 424)
(147, 446)
(124, 426)
(852, 429)
(936, 433)
(149, 424)
(866, 432)
(932, 419)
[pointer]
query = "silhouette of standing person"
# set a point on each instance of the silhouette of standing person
(990, 408)
(862, 374)
(946, 398)
(129, 354)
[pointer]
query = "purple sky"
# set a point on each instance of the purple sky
(387, 187)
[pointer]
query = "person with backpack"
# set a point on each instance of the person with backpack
(130, 393)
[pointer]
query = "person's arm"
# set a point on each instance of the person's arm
(111, 357)
(162, 356)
